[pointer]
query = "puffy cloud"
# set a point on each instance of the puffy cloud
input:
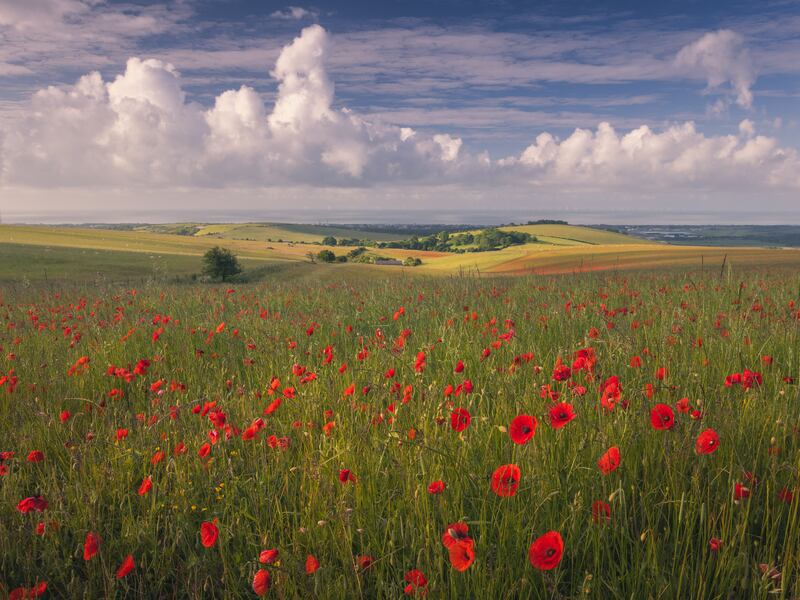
(140, 130)
(721, 58)
(305, 93)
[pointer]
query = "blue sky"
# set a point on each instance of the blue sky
(419, 101)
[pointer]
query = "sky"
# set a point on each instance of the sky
(601, 108)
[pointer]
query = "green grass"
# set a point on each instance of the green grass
(666, 500)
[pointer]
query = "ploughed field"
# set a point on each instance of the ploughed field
(594, 435)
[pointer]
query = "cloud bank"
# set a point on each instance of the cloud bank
(139, 129)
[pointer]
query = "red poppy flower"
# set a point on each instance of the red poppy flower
(437, 487)
(609, 461)
(268, 556)
(273, 406)
(209, 533)
(146, 486)
(460, 419)
(19, 593)
(561, 414)
(90, 546)
(33, 503)
(416, 583)
(740, 492)
(364, 562)
(462, 554)
(707, 442)
(455, 533)
(35, 456)
(126, 567)
(346, 475)
(601, 512)
(261, 582)
(612, 392)
(522, 428)
(505, 480)
(561, 372)
(715, 544)
(546, 551)
(312, 564)
(662, 417)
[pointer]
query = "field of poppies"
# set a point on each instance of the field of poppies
(597, 436)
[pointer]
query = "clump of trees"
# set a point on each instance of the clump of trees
(358, 255)
(220, 264)
(328, 256)
(485, 240)
(329, 240)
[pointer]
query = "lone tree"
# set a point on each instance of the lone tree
(220, 263)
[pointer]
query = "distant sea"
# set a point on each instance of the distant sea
(436, 216)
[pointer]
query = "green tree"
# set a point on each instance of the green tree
(326, 256)
(329, 240)
(220, 263)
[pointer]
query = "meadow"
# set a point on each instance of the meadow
(594, 435)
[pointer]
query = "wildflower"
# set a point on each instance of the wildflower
(546, 551)
(505, 480)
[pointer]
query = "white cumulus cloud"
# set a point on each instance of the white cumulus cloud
(141, 130)
(721, 57)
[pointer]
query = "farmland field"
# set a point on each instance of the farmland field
(359, 437)
(79, 253)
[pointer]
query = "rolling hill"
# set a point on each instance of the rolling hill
(78, 253)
